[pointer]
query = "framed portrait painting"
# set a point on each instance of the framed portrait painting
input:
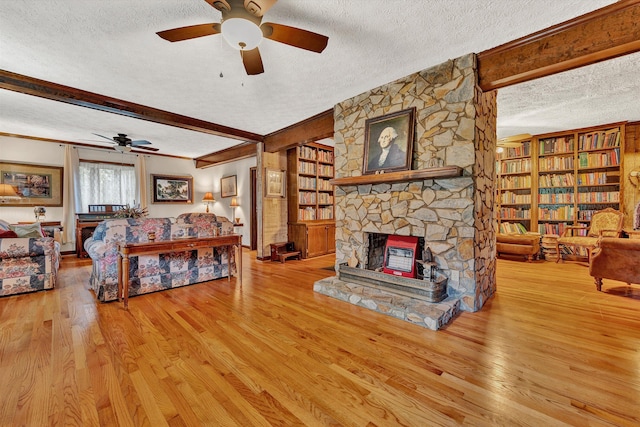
(274, 183)
(229, 186)
(172, 189)
(388, 142)
(35, 185)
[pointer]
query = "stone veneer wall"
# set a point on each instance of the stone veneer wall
(455, 122)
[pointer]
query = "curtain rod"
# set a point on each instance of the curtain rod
(107, 150)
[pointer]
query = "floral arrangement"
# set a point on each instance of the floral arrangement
(131, 212)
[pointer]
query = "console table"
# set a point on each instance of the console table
(127, 250)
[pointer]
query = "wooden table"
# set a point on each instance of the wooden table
(127, 250)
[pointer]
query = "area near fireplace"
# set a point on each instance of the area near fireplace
(450, 212)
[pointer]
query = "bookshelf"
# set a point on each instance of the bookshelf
(559, 179)
(310, 199)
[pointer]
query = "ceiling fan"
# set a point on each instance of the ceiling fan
(242, 28)
(123, 143)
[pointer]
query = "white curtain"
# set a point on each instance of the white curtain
(105, 183)
(71, 197)
(141, 173)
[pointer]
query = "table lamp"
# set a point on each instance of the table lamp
(234, 204)
(208, 199)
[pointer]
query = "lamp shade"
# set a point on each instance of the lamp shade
(234, 203)
(208, 197)
(7, 192)
(241, 33)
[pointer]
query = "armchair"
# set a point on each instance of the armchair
(604, 223)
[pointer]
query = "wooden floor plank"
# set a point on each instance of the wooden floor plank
(547, 349)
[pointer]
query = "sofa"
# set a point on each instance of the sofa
(526, 245)
(151, 273)
(615, 259)
(29, 261)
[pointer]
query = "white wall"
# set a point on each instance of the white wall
(52, 154)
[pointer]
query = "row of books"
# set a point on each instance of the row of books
(515, 213)
(551, 198)
(307, 168)
(598, 178)
(552, 228)
(324, 184)
(325, 199)
(523, 150)
(509, 197)
(515, 166)
(600, 139)
(308, 153)
(563, 180)
(307, 183)
(513, 182)
(556, 213)
(555, 163)
(512, 228)
(556, 145)
(306, 198)
(603, 159)
(311, 214)
(325, 170)
(599, 197)
(325, 156)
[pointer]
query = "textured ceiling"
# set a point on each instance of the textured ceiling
(110, 47)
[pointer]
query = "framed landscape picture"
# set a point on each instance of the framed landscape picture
(228, 186)
(36, 185)
(388, 142)
(274, 183)
(172, 189)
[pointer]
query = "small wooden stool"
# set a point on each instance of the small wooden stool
(286, 255)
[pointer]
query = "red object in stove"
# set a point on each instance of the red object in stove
(400, 256)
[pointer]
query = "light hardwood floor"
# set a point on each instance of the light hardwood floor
(547, 350)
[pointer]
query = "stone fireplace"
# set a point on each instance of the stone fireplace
(448, 208)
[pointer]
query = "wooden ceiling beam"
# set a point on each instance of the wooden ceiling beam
(312, 129)
(603, 34)
(230, 154)
(56, 92)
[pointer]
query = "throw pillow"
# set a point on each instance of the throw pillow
(7, 234)
(4, 225)
(28, 230)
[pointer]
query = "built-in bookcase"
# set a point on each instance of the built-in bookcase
(555, 180)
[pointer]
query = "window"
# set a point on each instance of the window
(106, 183)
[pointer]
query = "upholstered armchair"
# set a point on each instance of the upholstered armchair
(615, 259)
(604, 223)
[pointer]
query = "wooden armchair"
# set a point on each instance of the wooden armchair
(604, 223)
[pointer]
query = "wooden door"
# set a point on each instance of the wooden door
(331, 238)
(253, 181)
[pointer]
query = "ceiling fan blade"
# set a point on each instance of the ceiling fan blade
(143, 147)
(295, 37)
(258, 7)
(191, 32)
(252, 61)
(140, 142)
(105, 137)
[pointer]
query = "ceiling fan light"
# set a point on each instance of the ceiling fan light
(241, 34)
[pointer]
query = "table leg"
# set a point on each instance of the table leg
(119, 277)
(239, 264)
(125, 281)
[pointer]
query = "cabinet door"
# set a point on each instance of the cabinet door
(331, 239)
(316, 240)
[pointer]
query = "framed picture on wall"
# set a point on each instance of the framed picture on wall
(274, 183)
(35, 185)
(172, 189)
(388, 142)
(229, 186)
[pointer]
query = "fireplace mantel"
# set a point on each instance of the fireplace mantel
(401, 176)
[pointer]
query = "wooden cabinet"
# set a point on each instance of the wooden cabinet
(313, 239)
(560, 179)
(310, 199)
